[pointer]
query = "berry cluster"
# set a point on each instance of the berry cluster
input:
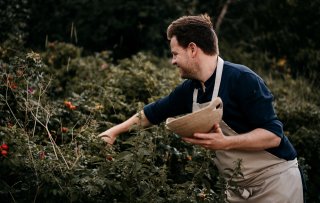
(69, 105)
(4, 149)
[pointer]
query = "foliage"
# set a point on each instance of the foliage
(13, 22)
(54, 153)
(53, 104)
(285, 29)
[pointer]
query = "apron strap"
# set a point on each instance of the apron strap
(216, 83)
(195, 95)
(218, 78)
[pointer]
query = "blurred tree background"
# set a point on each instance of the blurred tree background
(76, 38)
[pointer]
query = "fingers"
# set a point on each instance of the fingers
(214, 140)
(216, 128)
(197, 141)
(107, 138)
(202, 143)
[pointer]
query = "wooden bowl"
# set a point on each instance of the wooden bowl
(200, 121)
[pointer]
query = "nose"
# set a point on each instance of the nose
(173, 61)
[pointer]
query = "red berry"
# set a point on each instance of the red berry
(13, 85)
(4, 153)
(109, 157)
(4, 147)
(67, 103)
(42, 154)
(64, 129)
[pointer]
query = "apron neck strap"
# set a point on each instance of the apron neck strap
(216, 83)
(218, 78)
(195, 95)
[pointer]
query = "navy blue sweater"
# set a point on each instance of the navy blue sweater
(247, 104)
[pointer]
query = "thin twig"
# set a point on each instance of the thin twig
(54, 145)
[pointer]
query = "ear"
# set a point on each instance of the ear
(193, 48)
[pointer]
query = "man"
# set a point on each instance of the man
(250, 129)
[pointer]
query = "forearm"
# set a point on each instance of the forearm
(258, 139)
(139, 120)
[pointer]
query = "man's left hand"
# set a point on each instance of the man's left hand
(214, 140)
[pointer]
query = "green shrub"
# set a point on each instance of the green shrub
(54, 153)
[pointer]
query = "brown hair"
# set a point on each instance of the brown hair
(197, 29)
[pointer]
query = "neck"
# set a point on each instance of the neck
(208, 65)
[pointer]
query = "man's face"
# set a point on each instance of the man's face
(181, 57)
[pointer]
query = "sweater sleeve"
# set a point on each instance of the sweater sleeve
(176, 103)
(256, 103)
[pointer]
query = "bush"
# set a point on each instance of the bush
(53, 113)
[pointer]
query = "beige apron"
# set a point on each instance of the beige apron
(266, 178)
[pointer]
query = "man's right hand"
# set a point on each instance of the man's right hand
(107, 137)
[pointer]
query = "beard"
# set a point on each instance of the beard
(187, 72)
(185, 75)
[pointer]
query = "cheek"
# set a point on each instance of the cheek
(182, 59)
(177, 60)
